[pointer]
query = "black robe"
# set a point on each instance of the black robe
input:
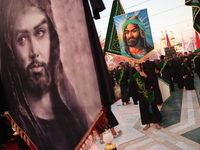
(176, 67)
(146, 116)
(149, 69)
(166, 74)
(189, 80)
(124, 85)
(133, 86)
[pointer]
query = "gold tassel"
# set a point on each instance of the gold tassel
(24, 138)
(21, 134)
(28, 142)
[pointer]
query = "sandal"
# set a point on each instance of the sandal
(118, 133)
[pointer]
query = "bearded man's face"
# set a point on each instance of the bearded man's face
(132, 35)
(31, 44)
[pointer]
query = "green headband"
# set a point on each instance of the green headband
(197, 50)
(133, 21)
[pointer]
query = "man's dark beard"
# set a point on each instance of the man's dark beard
(36, 83)
(132, 43)
(39, 81)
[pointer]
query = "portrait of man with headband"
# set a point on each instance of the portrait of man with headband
(134, 38)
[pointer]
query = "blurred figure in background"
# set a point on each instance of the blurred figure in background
(122, 78)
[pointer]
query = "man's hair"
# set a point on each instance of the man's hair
(121, 64)
(184, 57)
(142, 37)
(162, 57)
(126, 64)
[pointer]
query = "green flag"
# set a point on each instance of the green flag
(112, 42)
(196, 13)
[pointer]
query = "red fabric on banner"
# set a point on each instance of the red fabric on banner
(197, 40)
(168, 41)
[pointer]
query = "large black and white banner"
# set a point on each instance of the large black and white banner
(52, 69)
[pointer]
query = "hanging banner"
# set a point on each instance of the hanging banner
(112, 42)
(134, 34)
(196, 13)
(43, 43)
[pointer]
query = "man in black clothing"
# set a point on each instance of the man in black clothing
(165, 71)
(176, 70)
(191, 56)
(122, 79)
(187, 74)
(133, 89)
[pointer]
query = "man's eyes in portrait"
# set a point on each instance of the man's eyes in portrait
(40, 33)
(131, 31)
(22, 39)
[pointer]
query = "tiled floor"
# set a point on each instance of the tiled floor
(180, 124)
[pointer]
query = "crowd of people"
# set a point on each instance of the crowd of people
(140, 81)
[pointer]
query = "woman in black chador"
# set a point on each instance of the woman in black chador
(149, 69)
(148, 106)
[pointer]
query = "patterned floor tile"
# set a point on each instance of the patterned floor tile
(193, 135)
(180, 124)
